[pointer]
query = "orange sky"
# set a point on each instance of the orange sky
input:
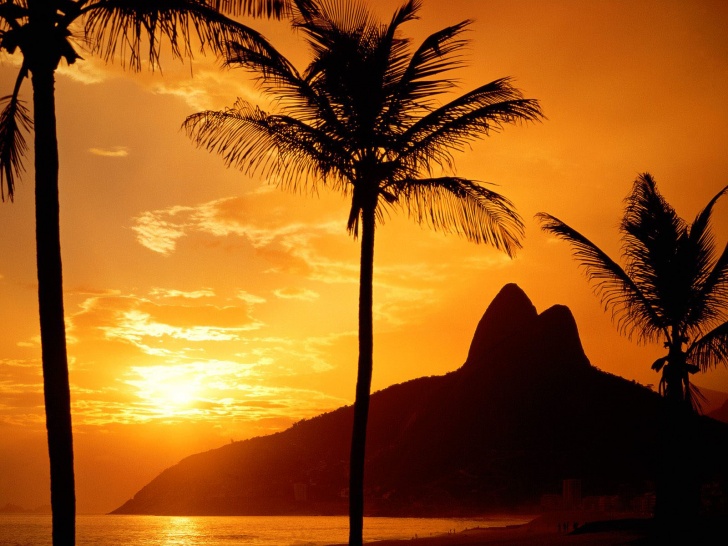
(204, 306)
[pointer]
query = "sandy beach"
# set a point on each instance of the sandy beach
(532, 535)
(557, 529)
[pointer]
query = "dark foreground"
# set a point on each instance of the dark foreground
(558, 530)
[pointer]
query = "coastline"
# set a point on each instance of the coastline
(579, 528)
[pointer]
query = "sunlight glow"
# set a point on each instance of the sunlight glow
(168, 390)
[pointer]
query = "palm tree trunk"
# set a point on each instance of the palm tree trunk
(677, 486)
(50, 301)
(363, 381)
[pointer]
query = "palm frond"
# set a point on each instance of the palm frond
(474, 115)
(253, 141)
(350, 59)
(277, 77)
(651, 235)
(694, 397)
(711, 349)
(700, 228)
(324, 19)
(622, 296)
(255, 8)
(710, 300)
(15, 120)
(461, 206)
(715, 289)
(135, 30)
(12, 15)
(412, 92)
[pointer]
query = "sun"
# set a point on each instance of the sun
(177, 394)
(166, 391)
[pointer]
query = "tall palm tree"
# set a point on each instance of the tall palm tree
(42, 31)
(363, 119)
(673, 289)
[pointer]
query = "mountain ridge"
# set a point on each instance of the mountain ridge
(525, 411)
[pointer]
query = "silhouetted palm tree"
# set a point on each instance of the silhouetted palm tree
(363, 119)
(673, 289)
(43, 32)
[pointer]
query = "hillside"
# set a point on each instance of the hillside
(525, 411)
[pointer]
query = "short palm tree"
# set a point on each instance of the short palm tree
(363, 119)
(673, 289)
(42, 31)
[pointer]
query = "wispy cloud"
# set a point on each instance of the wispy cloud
(170, 293)
(163, 327)
(114, 151)
(291, 293)
(199, 391)
(159, 230)
(250, 299)
(312, 251)
(88, 71)
(208, 89)
(157, 234)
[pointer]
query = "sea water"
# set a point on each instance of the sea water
(106, 530)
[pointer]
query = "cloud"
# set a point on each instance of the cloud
(165, 327)
(208, 88)
(159, 230)
(88, 71)
(296, 294)
(33, 342)
(114, 151)
(400, 303)
(313, 251)
(206, 390)
(21, 384)
(250, 299)
(194, 294)
(157, 234)
(156, 337)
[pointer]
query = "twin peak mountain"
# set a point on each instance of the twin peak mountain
(526, 411)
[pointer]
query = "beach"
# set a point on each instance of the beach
(592, 529)
(551, 529)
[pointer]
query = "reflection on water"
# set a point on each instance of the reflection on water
(179, 530)
(34, 530)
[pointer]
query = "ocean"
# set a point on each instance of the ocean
(105, 530)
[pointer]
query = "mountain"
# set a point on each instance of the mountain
(524, 412)
(10, 508)
(721, 414)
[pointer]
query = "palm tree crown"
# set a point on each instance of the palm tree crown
(673, 288)
(46, 32)
(363, 118)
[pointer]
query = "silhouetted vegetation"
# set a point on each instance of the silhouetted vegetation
(42, 32)
(673, 289)
(363, 119)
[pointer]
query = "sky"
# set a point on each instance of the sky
(204, 306)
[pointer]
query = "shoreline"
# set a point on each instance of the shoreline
(578, 528)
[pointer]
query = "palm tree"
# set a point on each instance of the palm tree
(363, 119)
(673, 289)
(43, 33)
